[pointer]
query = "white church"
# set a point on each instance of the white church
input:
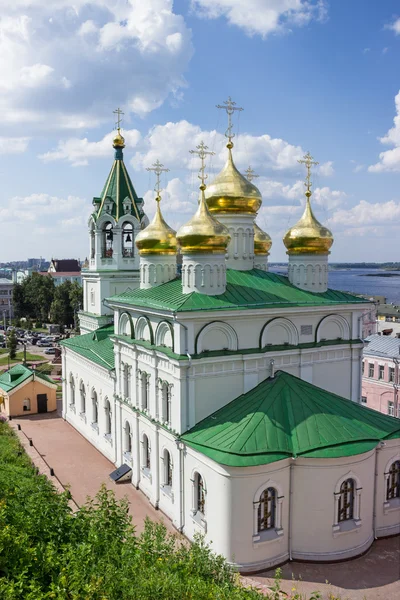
(233, 393)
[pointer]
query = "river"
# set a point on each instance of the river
(361, 281)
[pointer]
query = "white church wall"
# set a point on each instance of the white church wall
(387, 510)
(316, 533)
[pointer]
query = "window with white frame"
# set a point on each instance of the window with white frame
(127, 439)
(364, 399)
(347, 504)
(26, 405)
(167, 469)
(381, 372)
(371, 369)
(391, 374)
(266, 511)
(72, 389)
(165, 389)
(393, 481)
(144, 390)
(95, 408)
(199, 494)
(391, 408)
(346, 501)
(126, 380)
(108, 418)
(83, 397)
(146, 462)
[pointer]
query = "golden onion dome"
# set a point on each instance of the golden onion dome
(157, 237)
(203, 234)
(308, 236)
(231, 192)
(119, 140)
(262, 241)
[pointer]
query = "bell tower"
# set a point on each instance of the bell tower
(116, 220)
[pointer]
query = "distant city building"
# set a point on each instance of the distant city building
(64, 270)
(380, 374)
(6, 303)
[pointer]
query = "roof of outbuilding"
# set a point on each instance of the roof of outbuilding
(286, 417)
(69, 265)
(382, 345)
(95, 346)
(18, 374)
(245, 290)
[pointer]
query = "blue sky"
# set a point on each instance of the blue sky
(311, 75)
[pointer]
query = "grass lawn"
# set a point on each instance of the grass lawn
(3, 351)
(20, 358)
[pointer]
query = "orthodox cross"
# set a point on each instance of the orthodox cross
(230, 108)
(118, 112)
(202, 151)
(309, 161)
(158, 169)
(250, 174)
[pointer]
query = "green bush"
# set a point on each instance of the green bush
(46, 551)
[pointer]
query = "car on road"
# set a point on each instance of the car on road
(43, 344)
(50, 351)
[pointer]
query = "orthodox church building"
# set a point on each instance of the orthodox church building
(232, 393)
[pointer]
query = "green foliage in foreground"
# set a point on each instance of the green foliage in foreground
(47, 552)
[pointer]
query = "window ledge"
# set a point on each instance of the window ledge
(349, 526)
(167, 491)
(72, 407)
(199, 519)
(147, 473)
(95, 427)
(391, 505)
(108, 438)
(267, 536)
(128, 457)
(83, 416)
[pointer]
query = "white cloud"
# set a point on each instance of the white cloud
(39, 205)
(389, 160)
(395, 26)
(326, 169)
(77, 151)
(78, 60)
(358, 168)
(262, 17)
(367, 214)
(16, 145)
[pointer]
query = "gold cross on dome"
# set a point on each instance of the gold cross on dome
(157, 167)
(309, 161)
(118, 112)
(202, 151)
(250, 174)
(229, 106)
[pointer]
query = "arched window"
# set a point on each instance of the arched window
(266, 512)
(26, 405)
(83, 397)
(127, 439)
(167, 469)
(72, 389)
(92, 241)
(144, 384)
(393, 481)
(107, 410)
(127, 240)
(108, 237)
(199, 494)
(146, 464)
(166, 402)
(346, 501)
(126, 379)
(95, 408)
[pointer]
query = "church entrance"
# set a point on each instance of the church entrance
(42, 403)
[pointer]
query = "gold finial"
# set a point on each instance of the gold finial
(158, 169)
(229, 106)
(250, 174)
(202, 151)
(309, 161)
(118, 112)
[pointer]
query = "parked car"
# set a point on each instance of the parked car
(43, 344)
(50, 351)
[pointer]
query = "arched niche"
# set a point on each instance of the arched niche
(125, 325)
(165, 335)
(333, 327)
(279, 332)
(216, 336)
(144, 330)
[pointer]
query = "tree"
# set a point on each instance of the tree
(39, 292)
(61, 311)
(12, 343)
(19, 304)
(76, 299)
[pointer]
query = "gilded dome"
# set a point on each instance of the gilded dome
(157, 237)
(308, 236)
(203, 234)
(119, 140)
(231, 192)
(262, 241)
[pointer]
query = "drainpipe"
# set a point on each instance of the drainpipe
(290, 505)
(181, 517)
(396, 387)
(157, 469)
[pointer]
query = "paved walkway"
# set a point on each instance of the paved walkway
(79, 465)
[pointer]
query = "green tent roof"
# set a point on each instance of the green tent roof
(285, 417)
(118, 187)
(95, 346)
(244, 290)
(17, 375)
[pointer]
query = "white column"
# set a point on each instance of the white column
(309, 271)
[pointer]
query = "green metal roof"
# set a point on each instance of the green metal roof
(244, 290)
(118, 187)
(17, 375)
(285, 417)
(95, 346)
